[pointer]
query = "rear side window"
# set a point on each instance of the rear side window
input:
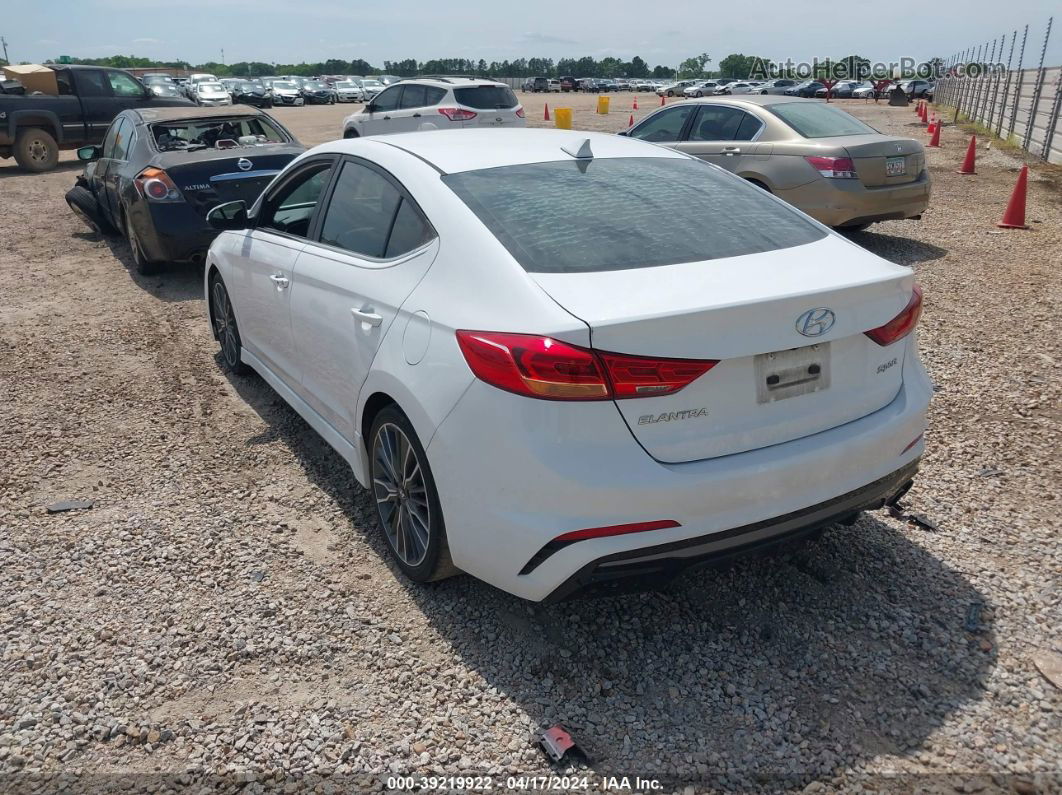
(486, 97)
(91, 83)
(816, 120)
(716, 123)
(369, 216)
(576, 217)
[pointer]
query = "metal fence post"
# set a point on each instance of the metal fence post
(975, 88)
(990, 103)
(1052, 117)
(1017, 87)
(1006, 87)
(983, 91)
(1037, 90)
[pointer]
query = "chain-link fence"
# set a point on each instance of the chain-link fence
(1016, 103)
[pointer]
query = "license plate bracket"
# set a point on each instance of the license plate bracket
(797, 371)
(896, 166)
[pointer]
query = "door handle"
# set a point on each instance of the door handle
(280, 281)
(416, 115)
(366, 315)
(386, 118)
(731, 150)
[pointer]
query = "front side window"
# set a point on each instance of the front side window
(291, 208)
(122, 85)
(414, 96)
(664, 126)
(370, 217)
(111, 137)
(817, 120)
(123, 140)
(577, 217)
(388, 99)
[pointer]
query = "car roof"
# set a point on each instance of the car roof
(745, 99)
(455, 82)
(182, 112)
(453, 151)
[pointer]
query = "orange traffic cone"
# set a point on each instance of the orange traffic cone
(636, 103)
(935, 140)
(918, 109)
(971, 157)
(662, 100)
(631, 122)
(1014, 215)
(545, 117)
(932, 125)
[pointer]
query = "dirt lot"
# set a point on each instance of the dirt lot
(226, 608)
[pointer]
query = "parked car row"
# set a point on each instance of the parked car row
(597, 85)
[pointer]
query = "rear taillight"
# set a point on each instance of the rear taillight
(520, 112)
(155, 185)
(457, 114)
(901, 325)
(833, 167)
(542, 367)
(638, 376)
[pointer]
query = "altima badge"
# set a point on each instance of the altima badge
(815, 322)
(243, 164)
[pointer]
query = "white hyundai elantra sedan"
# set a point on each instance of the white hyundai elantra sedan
(548, 394)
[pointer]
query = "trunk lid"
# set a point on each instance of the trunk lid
(884, 160)
(211, 177)
(744, 312)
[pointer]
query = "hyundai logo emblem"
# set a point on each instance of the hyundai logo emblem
(243, 164)
(815, 322)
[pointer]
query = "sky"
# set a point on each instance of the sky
(292, 31)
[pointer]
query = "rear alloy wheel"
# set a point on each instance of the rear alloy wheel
(407, 503)
(226, 332)
(143, 265)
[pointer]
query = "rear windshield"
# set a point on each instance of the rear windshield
(203, 133)
(486, 97)
(816, 120)
(621, 213)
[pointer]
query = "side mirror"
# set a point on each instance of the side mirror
(89, 153)
(231, 215)
(370, 108)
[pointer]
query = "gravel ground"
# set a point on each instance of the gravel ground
(225, 613)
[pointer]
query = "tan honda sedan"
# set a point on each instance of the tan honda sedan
(818, 158)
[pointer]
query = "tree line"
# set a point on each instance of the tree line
(521, 67)
(736, 65)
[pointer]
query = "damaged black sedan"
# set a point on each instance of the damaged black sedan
(161, 170)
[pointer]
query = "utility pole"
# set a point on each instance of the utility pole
(4, 42)
(222, 55)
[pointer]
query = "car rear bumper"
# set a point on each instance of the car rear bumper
(171, 232)
(514, 474)
(650, 567)
(837, 202)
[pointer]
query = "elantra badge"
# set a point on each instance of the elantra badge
(243, 164)
(815, 322)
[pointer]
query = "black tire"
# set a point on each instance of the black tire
(405, 495)
(143, 265)
(350, 133)
(671, 93)
(85, 207)
(35, 150)
(226, 331)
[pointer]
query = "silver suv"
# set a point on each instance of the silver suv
(430, 103)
